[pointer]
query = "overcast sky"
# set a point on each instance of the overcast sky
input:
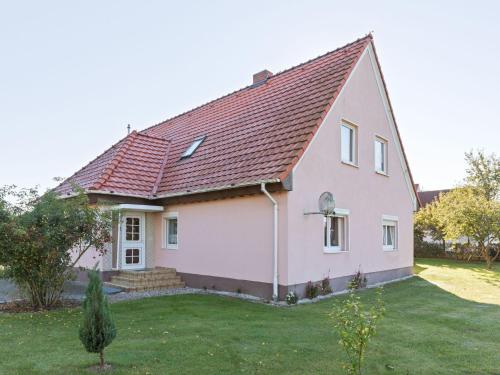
(74, 74)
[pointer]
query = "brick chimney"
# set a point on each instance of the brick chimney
(261, 77)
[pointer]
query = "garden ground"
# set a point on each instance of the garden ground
(444, 321)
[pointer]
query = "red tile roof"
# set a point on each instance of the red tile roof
(429, 196)
(253, 135)
(131, 167)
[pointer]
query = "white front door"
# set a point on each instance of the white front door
(132, 249)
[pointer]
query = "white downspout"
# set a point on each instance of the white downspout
(119, 242)
(275, 240)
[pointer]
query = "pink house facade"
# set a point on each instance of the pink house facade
(227, 194)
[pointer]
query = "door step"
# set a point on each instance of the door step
(144, 280)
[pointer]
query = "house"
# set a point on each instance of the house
(227, 193)
(429, 196)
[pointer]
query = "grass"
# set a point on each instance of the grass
(427, 330)
(471, 281)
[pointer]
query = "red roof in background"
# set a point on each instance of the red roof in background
(429, 196)
(252, 135)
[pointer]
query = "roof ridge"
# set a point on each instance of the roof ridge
(117, 158)
(367, 36)
(160, 172)
(69, 179)
(391, 110)
(153, 136)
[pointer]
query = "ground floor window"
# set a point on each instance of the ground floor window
(335, 233)
(171, 237)
(390, 233)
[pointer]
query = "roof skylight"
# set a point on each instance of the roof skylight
(191, 149)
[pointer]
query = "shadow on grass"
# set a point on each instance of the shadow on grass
(477, 267)
(417, 269)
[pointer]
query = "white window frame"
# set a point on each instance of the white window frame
(382, 140)
(390, 220)
(166, 218)
(344, 247)
(141, 228)
(354, 129)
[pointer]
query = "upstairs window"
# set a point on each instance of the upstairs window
(381, 155)
(191, 149)
(348, 134)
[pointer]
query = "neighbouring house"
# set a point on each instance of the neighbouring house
(226, 194)
(429, 196)
(426, 197)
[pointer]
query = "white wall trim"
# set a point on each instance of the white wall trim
(392, 124)
(138, 207)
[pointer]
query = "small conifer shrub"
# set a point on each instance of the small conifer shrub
(98, 329)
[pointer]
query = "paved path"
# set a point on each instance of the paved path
(72, 290)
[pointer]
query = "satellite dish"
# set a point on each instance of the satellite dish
(326, 203)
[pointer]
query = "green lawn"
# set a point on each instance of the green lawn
(427, 330)
(470, 281)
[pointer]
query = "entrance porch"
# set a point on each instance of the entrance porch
(133, 237)
(132, 265)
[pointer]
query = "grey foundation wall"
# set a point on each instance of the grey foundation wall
(265, 290)
(339, 284)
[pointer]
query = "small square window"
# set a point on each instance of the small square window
(381, 155)
(348, 144)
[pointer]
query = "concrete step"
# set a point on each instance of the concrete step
(130, 288)
(149, 273)
(151, 284)
(143, 280)
(128, 279)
